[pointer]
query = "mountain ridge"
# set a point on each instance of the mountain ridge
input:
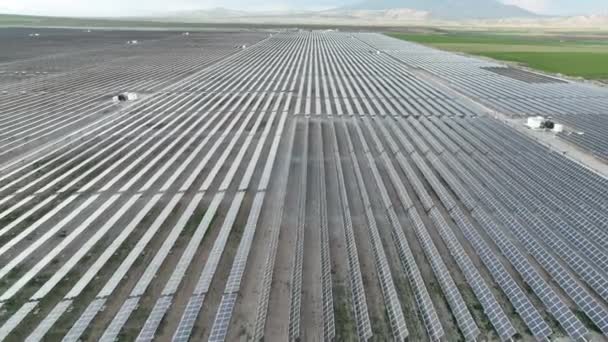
(449, 9)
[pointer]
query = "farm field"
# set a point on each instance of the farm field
(292, 186)
(572, 54)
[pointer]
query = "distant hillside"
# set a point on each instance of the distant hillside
(10, 20)
(218, 12)
(342, 18)
(449, 9)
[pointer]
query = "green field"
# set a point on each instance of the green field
(572, 54)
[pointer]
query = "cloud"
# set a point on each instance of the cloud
(538, 6)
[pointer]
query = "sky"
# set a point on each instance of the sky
(155, 7)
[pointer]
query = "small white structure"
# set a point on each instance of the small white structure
(124, 97)
(34, 34)
(558, 128)
(132, 42)
(535, 122)
(539, 122)
(186, 34)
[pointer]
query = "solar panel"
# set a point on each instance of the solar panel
(272, 243)
(117, 276)
(423, 299)
(79, 327)
(463, 194)
(45, 325)
(204, 281)
(457, 305)
(240, 260)
(86, 247)
(426, 307)
(563, 277)
(554, 304)
(179, 270)
(188, 319)
(393, 306)
(220, 326)
(30, 229)
(444, 196)
(551, 265)
(426, 135)
(538, 204)
(296, 280)
(265, 180)
(492, 308)
(149, 274)
(223, 317)
(462, 143)
(148, 331)
(419, 188)
(28, 214)
(424, 149)
(227, 150)
(119, 320)
(585, 268)
(10, 324)
(356, 281)
(529, 314)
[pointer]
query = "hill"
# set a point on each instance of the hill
(449, 9)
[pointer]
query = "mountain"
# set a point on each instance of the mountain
(597, 20)
(449, 9)
(218, 12)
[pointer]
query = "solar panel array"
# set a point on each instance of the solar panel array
(389, 292)
(296, 283)
(423, 300)
(329, 329)
(261, 313)
(581, 107)
(364, 329)
(302, 188)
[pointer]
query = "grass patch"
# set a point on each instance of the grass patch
(582, 64)
(566, 53)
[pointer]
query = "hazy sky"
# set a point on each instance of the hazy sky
(148, 7)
